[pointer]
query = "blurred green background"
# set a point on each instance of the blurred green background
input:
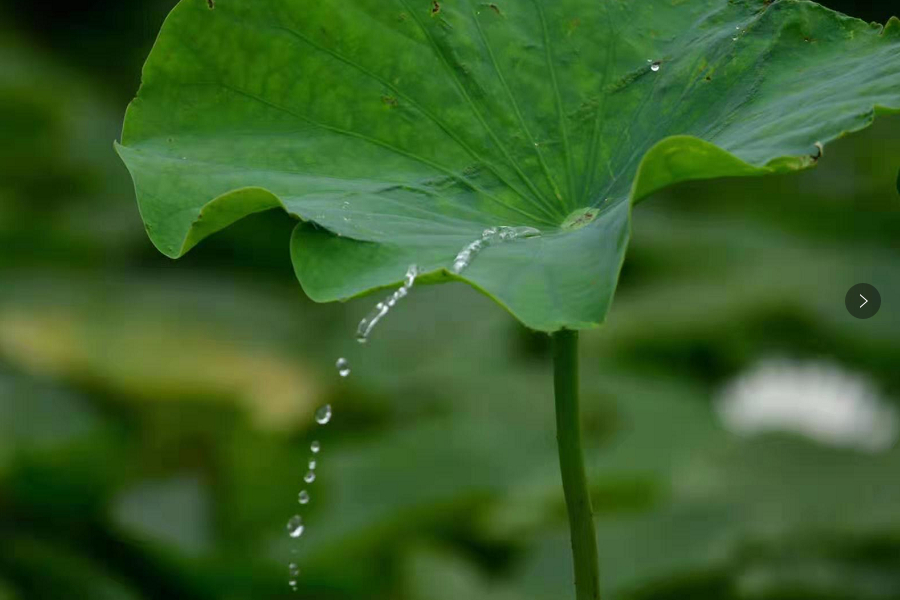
(155, 417)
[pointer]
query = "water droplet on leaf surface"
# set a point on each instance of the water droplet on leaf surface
(655, 66)
(309, 477)
(315, 447)
(489, 237)
(303, 497)
(312, 464)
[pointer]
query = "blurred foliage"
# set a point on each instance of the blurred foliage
(155, 416)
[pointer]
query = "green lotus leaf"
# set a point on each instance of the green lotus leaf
(397, 131)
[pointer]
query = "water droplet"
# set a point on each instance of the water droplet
(343, 366)
(655, 66)
(382, 308)
(293, 584)
(315, 447)
(312, 464)
(411, 273)
(309, 477)
(323, 414)
(295, 526)
(293, 570)
(489, 237)
(303, 497)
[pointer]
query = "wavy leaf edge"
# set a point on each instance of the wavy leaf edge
(655, 172)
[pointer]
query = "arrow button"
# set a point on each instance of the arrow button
(871, 300)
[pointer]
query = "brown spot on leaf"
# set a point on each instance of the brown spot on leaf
(211, 4)
(389, 100)
(583, 219)
(435, 7)
(494, 8)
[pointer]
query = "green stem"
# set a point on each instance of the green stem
(571, 465)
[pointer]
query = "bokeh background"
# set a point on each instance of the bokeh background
(156, 417)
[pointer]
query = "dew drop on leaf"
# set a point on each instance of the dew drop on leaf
(309, 477)
(315, 447)
(303, 497)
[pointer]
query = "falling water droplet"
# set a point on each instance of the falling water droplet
(295, 526)
(309, 477)
(655, 66)
(315, 447)
(303, 497)
(323, 414)
(294, 572)
(343, 366)
(381, 309)
(312, 464)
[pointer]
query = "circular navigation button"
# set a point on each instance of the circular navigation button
(862, 300)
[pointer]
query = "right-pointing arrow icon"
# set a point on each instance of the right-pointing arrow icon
(861, 292)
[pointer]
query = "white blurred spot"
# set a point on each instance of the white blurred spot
(817, 399)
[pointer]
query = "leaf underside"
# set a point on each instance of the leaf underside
(396, 131)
